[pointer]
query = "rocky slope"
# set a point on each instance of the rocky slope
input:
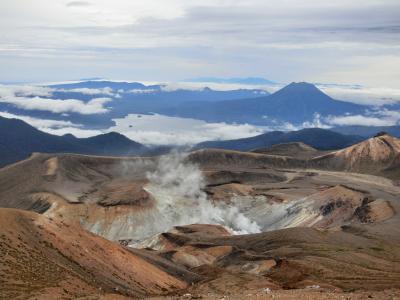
(290, 258)
(44, 257)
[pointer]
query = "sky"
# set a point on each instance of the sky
(342, 41)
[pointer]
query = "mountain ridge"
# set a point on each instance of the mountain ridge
(322, 139)
(19, 139)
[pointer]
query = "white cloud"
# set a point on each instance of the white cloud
(30, 97)
(317, 122)
(39, 123)
(363, 95)
(360, 120)
(94, 106)
(57, 127)
(292, 40)
(383, 117)
(107, 91)
(78, 3)
(142, 91)
(76, 131)
(25, 90)
(163, 130)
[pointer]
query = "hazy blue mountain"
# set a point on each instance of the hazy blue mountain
(368, 131)
(133, 97)
(18, 140)
(295, 103)
(321, 139)
(237, 80)
(94, 84)
(159, 94)
(126, 98)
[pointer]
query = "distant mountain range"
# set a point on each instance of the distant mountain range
(234, 80)
(320, 139)
(136, 92)
(134, 97)
(294, 104)
(18, 140)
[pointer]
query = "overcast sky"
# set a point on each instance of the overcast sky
(341, 41)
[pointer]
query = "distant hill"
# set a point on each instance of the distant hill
(321, 139)
(18, 140)
(98, 84)
(296, 103)
(237, 80)
(295, 149)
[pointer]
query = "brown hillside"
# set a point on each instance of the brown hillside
(373, 156)
(43, 256)
(297, 150)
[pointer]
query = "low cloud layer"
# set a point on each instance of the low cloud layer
(163, 130)
(32, 98)
(378, 117)
(56, 127)
(158, 129)
(94, 106)
(41, 124)
(362, 95)
(25, 91)
(360, 120)
(86, 91)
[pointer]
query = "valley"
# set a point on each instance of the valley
(233, 222)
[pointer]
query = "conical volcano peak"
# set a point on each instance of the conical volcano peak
(296, 91)
(302, 87)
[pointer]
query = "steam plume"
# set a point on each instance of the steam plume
(178, 187)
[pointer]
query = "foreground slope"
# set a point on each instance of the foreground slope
(346, 259)
(45, 257)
